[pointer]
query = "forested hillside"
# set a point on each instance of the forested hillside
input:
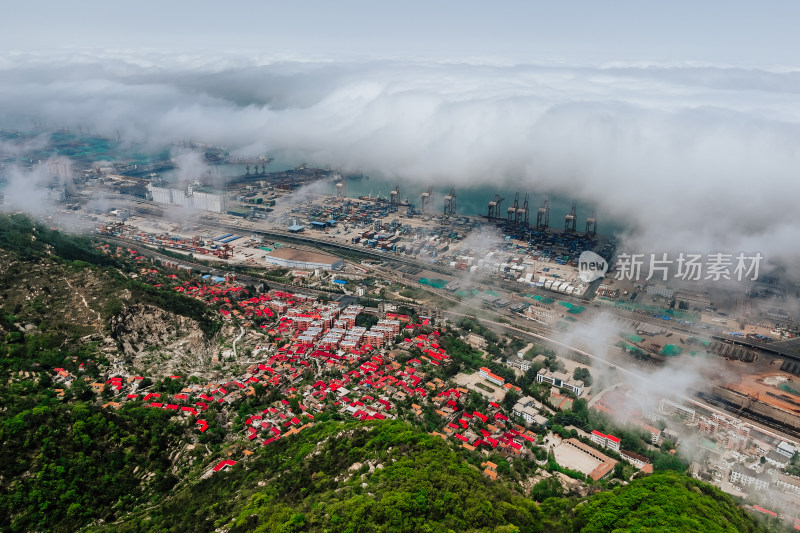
(66, 460)
(387, 476)
(66, 464)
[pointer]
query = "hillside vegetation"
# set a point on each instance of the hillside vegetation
(59, 296)
(387, 476)
(63, 283)
(71, 466)
(65, 465)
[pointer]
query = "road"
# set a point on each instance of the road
(241, 334)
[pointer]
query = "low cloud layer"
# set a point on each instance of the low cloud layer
(696, 158)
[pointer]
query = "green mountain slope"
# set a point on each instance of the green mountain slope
(387, 476)
(65, 460)
(60, 284)
(664, 502)
(65, 465)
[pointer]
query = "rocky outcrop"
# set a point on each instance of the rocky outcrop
(154, 339)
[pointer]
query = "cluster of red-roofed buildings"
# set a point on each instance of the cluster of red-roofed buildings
(320, 360)
(489, 430)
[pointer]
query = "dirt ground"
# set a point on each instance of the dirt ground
(766, 380)
(469, 381)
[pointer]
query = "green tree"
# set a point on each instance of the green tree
(549, 487)
(294, 405)
(583, 374)
(511, 398)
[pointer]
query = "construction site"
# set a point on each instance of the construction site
(768, 397)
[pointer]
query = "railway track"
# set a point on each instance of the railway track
(704, 400)
(142, 249)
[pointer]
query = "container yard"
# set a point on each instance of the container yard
(509, 249)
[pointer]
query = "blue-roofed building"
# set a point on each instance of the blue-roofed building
(296, 228)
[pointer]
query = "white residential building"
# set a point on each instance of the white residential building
(528, 409)
(487, 374)
(788, 483)
(668, 407)
(522, 364)
(744, 477)
(560, 380)
(634, 458)
(777, 460)
(784, 448)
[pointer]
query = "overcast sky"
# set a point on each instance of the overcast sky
(730, 32)
(681, 119)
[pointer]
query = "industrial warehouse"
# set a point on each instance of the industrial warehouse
(294, 258)
(205, 199)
